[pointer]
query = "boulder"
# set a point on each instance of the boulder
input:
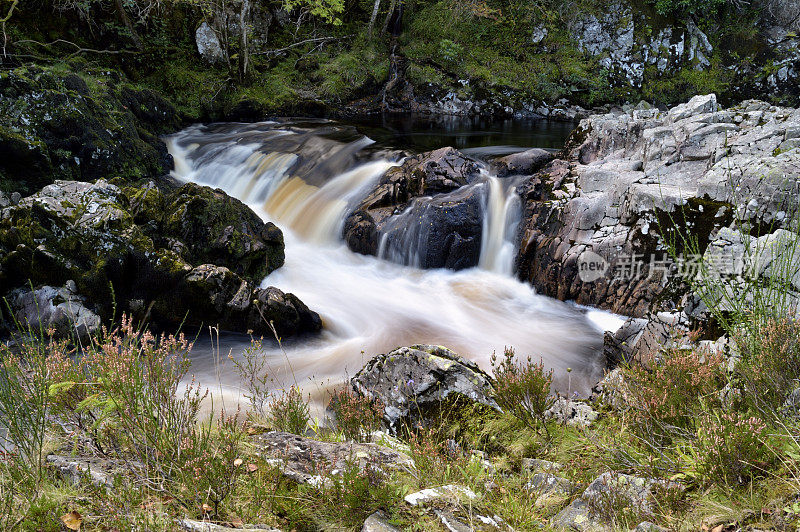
(450, 492)
(410, 379)
(208, 45)
(427, 212)
(307, 461)
(598, 503)
(572, 413)
(52, 127)
(61, 310)
(598, 222)
(192, 525)
(128, 252)
(221, 230)
(378, 522)
(523, 163)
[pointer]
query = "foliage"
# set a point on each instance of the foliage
(731, 447)
(252, 371)
(523, 388)
(328, 10)
(356, 416)
(666, 399)
(289, 412)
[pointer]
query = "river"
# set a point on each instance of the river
(305, 176)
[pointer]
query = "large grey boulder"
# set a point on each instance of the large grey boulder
(409, 380)
(208, 45)
(523, 163)
(632, 180)
(61, 310)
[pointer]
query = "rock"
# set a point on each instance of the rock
(428, 212)
(611, 390)
(450, 492)
(378, 522)
(593, 221)
(193, 525)
(54, 128)
(591, 510)
(523, 163)
(410, 379)
(221, 230)
(208, 45)
(75, 470)
(307, 461)
(114, 249)
(444, 231)
(572, 413)
(546, 484)
(59, 309)
(217, 296)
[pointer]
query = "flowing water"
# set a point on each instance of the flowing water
(306, 176)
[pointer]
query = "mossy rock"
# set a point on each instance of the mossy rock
(221, 230)
(56, 125)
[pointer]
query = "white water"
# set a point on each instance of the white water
(369, 305)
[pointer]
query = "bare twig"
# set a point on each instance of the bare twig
(300, 43)
(78, 49)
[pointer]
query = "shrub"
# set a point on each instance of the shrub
(731, 447)
(252, 370)
(666, 399)
(289, 412)
(770, 362)
(356, 416)
(523, 389)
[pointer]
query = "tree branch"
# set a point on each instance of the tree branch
(300, 43)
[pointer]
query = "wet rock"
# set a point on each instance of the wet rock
(61, 309)
(598, 502)
(572, 413)
(208, 45)
(410, 379)
(523, 163)
(426, 213)
(306, 461)
(378, 522)
(217, 296)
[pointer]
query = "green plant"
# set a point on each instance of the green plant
(289, 412)
(665, 400)
(731, 447)
(523, 389)
(252, 370)
(356, 416)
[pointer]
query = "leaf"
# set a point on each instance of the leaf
(252, 468)
(59, 388)
(72, 520)
(207, 509)
(238, 462)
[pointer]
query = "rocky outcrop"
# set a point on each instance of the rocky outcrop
(599, 220)
(522, 163)
(422, 213)
(123, 247)
(306, 461)
(599, 504)
(409, 380)
(58, 126)
(208, 45)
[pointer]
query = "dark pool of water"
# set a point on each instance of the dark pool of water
(474, 135)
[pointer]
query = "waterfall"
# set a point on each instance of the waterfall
(306, 179)
(502, 216)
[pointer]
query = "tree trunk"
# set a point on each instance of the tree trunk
(374, 16)
(388, 16)
(244, 46)
(123, 17)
